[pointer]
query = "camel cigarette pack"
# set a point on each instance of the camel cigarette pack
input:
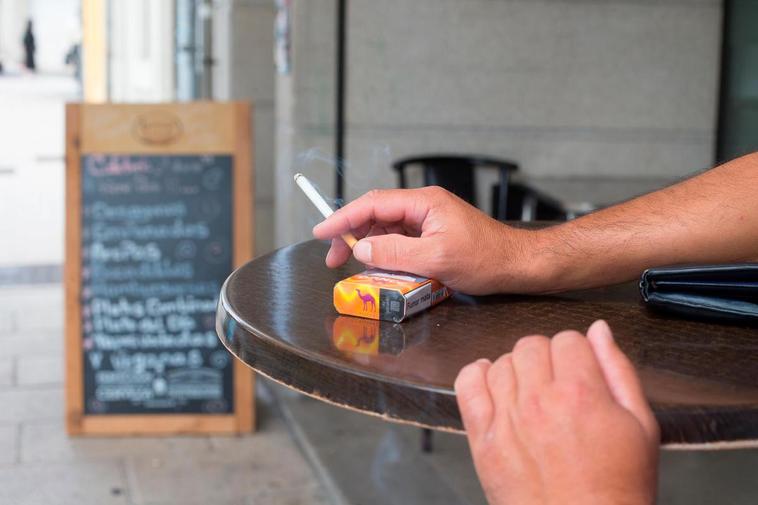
(389, 296)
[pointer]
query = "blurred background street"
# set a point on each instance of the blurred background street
(32, 167)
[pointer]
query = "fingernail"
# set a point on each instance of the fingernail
(602, 329)
(362, 251)
(483, 361)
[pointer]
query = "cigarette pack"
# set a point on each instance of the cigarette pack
(389, 296)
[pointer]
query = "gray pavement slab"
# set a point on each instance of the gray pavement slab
(31, 343)
(371, 461)
(708, 477)
(7, 322)
(216, 478)
(9, 441)
(82, 483)
(38, 370)
(6, 371)
(46, 441)
(310, 494)
(34, 309)
(18, 405)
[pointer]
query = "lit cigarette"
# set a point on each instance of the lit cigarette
(323, 207)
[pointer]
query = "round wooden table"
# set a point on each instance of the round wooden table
(276, 315)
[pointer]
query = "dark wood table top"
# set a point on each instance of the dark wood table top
(276, 315)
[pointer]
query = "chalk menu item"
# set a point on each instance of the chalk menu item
(156, 248)
(158, 214)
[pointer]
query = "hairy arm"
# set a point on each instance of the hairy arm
(709, 218)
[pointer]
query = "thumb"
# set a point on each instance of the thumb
(621, 377)
(394, 252)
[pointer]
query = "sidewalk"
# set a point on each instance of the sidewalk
(40, 465)
(32, 126)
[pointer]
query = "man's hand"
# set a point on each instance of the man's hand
(433, 233)
(561, 421)
(711, 218)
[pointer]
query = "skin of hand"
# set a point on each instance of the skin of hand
(710, 218)
(561, 420)
(433, 233)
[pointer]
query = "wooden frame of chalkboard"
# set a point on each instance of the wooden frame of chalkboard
(176, 134)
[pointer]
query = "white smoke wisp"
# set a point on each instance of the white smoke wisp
(370, 166)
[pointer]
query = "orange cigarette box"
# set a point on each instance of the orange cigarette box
(389, 296)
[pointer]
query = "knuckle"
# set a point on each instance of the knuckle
(574, 394)
(527, 344)
(498, 368)
(530, 408)
(374, 194)
(436, 191)
(467, 377)
(569, 337)
(467, 400)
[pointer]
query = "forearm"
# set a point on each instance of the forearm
(710, 218)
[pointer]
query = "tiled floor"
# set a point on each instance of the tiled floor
(370, 461)
(40, 464)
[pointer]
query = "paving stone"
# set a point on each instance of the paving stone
(234, 502)
(32, 343)
(34, 308)
(8, 443)
(37, 370)
(707, 477)
(46, 441)
(28, 404)
(311, 494)
(371, 461)
(264, 465)
(198, 482)
(7, 322)
(274, 438)
(451, 459)
(6, 372)
(84, 483)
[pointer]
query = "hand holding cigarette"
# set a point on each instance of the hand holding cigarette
(433, 233)
(315, 197)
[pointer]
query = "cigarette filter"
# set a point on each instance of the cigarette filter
(389, 296)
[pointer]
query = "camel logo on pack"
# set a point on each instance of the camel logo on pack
(157, 128)
(367, 300)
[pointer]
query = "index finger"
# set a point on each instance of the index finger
(407, 206)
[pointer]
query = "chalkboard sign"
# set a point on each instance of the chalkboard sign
(156, 221)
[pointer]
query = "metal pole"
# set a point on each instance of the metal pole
(339, 120)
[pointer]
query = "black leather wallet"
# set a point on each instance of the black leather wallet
(725, 292)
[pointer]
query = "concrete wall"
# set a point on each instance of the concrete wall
(250, 76)
(568, 88)
(305, 118)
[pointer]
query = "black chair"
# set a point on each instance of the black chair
(457, 174)
(527, 204)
